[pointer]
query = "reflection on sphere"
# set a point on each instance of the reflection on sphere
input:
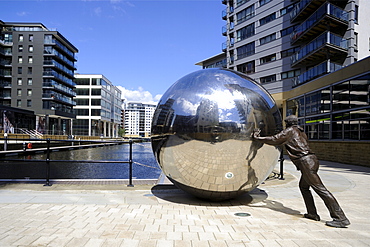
(201, 133)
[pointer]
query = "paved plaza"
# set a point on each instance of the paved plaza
(111, 214)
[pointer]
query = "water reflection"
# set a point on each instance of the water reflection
(142, 154)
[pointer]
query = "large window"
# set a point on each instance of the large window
(82, 91)
(267, 19)
(245, 14)
(341, 111)
(268, 59)
(268, 39)
(245, 32)
(82, 81)
(245, 50)
(246, 68)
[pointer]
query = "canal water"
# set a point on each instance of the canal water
(144, 166)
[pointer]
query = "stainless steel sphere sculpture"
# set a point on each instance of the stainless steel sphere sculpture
(201, 134)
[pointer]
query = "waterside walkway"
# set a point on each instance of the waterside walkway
(112, 214)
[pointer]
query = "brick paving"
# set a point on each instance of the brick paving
(112, 214)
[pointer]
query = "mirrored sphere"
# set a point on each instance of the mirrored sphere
(201, 133)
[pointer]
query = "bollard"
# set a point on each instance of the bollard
(47, 163)
(130, 166)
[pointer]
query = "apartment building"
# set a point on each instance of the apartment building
(312, 56)
(37, 67)
(98, 106)
(138, 119)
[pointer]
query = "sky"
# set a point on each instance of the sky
(141, 46)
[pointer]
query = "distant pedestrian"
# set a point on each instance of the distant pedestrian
(296, 144)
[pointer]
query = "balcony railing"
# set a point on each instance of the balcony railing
(324, 39)
(60, 87)
(325, 9)
(60, 77)
(300, 6)
(315, 72)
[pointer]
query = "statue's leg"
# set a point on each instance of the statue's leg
(307, 197)
(309, 168)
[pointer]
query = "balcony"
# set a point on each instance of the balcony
(317, 71)
(304, 9)
(327, 17)
(326, 46)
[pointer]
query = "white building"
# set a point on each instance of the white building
(138, 119)
(98, 106)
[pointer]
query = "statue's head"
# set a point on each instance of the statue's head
(291, 120)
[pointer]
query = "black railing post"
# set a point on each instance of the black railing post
(130, 166)
(6, 141)
(281, 165)
(47, 163)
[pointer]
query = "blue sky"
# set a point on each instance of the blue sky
(142, 46)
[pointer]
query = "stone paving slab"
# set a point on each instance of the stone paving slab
(161, 215)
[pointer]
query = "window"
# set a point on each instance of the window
(82, 91)
(240, 2)
(267, 79)
(82, 101)
(29, 103)
(82, 112)
(48, 39)
(30, 48)
(30, 59)
(268, 39)
(286, 10)
(19, 103)
(95, 112)
(263, 2)
(95, 81)
(19, 70)
(19, 81)
(247, 68)
(29, 81)
(29, 70)
(245, 50)
(245, 32)
(356, 14)
(95, 102)
(290, 74)
(268, 58)
(20, 48)
(287, 31)
(82, 81)
(19, 92)
(95, 91)
(30, 38)
(29, 92)
(289, 52)
(267, 19)
(245, 14)
(20, 38)
(20, 60)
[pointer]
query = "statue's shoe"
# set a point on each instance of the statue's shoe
(315, 217)
(338, 223)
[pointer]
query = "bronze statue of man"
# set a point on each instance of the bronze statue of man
(296, 144)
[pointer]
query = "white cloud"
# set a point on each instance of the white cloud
(139, 95)
(23, 13)
(97, 11)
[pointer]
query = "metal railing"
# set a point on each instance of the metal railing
(48, 148)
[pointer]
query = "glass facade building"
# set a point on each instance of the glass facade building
(98, 106)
